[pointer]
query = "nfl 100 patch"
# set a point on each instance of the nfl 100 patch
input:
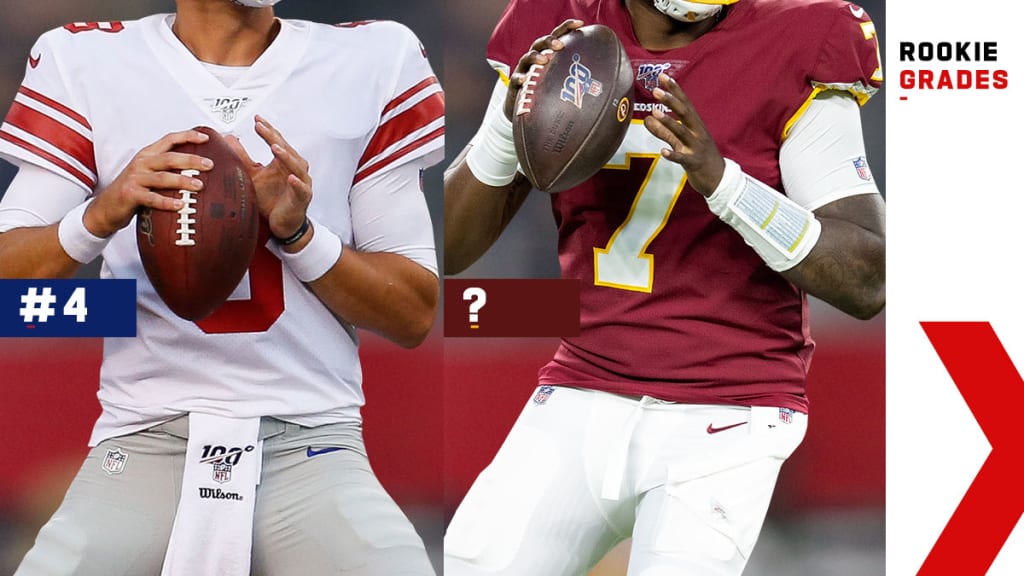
(222, 460)
(648, 73)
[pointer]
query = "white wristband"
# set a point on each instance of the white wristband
(781, 231)
(315, 258)
(80, 244)
(492, 155)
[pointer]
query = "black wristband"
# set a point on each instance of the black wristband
(294, 237)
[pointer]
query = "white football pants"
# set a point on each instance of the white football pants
(319, 511)
(584, 470)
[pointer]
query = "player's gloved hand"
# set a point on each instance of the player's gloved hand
(283, 187)
(689, 142)
(155, 167)
(536, 55)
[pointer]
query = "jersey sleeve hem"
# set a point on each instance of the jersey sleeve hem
(43, 126)
(411, 127)
(20, 151)
(862, 88)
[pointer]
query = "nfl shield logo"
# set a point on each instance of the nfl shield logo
(543, 393)
(114, 462)
(786, 415)
(861, 164)
(221, 472)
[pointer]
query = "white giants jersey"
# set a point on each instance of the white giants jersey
(355, 100)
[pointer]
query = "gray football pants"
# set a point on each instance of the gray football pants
(318, 511)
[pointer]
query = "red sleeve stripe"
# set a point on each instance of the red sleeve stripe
(56, 106)
(55, 133)
(401, 98)
(70, 170)
(401, 126)
(391, 158)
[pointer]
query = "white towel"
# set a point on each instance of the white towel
(212, 534)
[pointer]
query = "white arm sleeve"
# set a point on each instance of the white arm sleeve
(389, 214)
(492, 151)
(38, 197)
(823, 159)
(495, 108)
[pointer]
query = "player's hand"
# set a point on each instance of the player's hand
(538, 54)
(283, 187)
(689, 142)
(155, 167)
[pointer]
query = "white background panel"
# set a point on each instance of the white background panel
(954, 204)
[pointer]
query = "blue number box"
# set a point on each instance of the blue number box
(67, 308)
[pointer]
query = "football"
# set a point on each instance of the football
(195, 257)
(572, 113)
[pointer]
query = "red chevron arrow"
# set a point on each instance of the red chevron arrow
(994, 392)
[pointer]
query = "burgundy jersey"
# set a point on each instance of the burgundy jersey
(674, 304)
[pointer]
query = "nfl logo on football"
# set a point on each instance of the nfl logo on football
(221, 472)
(114, 462)
(579, 82)
(543, 393)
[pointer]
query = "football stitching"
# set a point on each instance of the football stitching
(526, 92)
(185, 215)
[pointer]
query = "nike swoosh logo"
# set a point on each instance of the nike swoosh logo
(857, 12)
(310, 452)
(713, 430)
(33, 61)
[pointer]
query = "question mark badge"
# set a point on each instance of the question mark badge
(477, 298)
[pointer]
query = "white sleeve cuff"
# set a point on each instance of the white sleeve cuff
(781, 231)
(492, 154)
(317, 257)
(80, 244)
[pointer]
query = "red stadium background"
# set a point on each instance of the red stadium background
(837, 466)
(436, 415)
(50, 405)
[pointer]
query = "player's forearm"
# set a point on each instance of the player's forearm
(846, 268)
(475, 214)
(381, 292)
(34, 253)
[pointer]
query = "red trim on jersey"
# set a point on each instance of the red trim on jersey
(54, 132)
(402, 125)
(376, 166)
(55, 105)
(71, 170)
(398, 100)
